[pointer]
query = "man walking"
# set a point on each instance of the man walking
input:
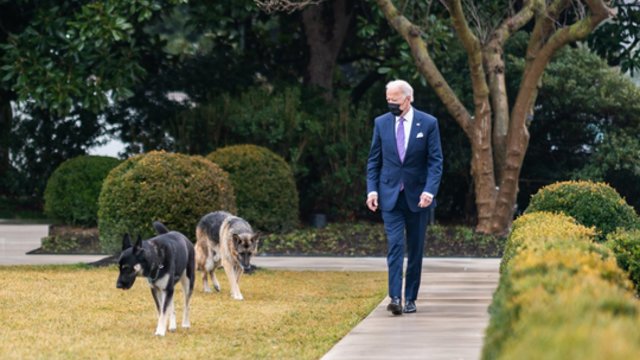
(403, 176)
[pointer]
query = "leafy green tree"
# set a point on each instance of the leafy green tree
(51, 140)
(581, 130)
(60, 60)
(213, 49)
(78, 53)
(618, 40)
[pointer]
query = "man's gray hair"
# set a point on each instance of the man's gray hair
(404, 86)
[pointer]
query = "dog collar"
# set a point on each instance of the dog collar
(153, 279)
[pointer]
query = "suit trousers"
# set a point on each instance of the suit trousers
(399, 222)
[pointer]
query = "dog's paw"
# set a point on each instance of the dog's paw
(217, 287)
(207, 290)
(238, 297)
(159, 333)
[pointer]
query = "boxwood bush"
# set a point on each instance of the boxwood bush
(71, 194)
(592, 319)
(550, 264)
(626, 247)
(175, 189)
(591, 204)
(264, 186)
(542, 229)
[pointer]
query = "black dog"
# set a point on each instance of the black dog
(163, 260)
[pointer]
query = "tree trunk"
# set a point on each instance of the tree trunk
(499, 139)
(326, 26)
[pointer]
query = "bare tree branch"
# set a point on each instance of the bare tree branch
(425, 64)
(493, 55)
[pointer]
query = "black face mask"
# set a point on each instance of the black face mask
(395, 109)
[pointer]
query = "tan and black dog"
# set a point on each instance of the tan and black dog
(228, 241)
(164, 260)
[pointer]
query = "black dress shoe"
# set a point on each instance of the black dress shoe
(394, 306)
(409, 307)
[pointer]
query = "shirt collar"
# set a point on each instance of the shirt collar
(408, 117)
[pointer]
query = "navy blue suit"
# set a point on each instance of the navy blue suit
(420, 172)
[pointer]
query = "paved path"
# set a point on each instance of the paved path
(17, 239)
(452, 304)
(450, 322)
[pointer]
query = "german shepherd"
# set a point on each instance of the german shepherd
(227, 240)
(164, 260)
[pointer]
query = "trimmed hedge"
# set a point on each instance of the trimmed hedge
(555, 277)
(591, 204)
(592, 319)
(546, 229)
(264, 186)
(175, 189)
(626, 247)
(72, 191)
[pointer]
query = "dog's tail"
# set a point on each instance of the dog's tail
(160, 228)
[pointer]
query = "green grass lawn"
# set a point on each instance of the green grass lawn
(67, 312)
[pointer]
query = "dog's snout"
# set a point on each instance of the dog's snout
(122, 285)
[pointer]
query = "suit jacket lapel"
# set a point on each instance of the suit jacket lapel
(390, 125)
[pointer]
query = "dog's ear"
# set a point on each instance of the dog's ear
(255, 240)
(138, 246)
(126, 242)
(236, 239)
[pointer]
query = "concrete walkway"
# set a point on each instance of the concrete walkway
(452, 304)
(450, 322)
(17, 239)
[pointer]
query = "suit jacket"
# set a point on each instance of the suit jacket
(422, 167)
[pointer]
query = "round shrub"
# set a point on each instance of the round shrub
(265, 189)
(175, 189)
(625, 245)
(72, 191)
(591, 204)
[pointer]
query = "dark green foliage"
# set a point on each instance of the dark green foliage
(369, 239)
(72, 191)
(175, 189)
(325, 143)
(615, 39)
(591, 204)
(41, 142)
(626, 247)
(340, 239)
(78, 53)
(264, 186)
(71, 240)
(616, 161)
(580, 130)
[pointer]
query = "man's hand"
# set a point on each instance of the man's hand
(425, 200)
(372, 202)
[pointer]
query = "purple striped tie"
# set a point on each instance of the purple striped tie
(400, 139)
